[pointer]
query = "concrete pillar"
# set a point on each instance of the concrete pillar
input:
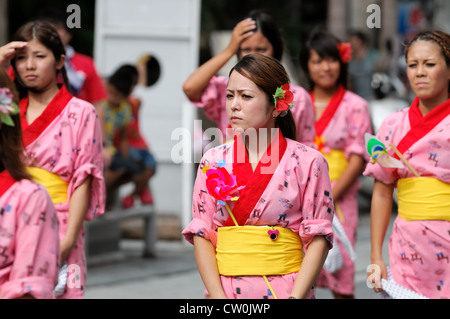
(3, 22)
(338, 17)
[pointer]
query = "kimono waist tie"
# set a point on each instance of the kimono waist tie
(258, 251)
(337, 163)
(55, 185)
(423, 198)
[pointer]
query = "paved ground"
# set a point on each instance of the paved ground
(173, 274)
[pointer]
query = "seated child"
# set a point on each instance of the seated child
(131, 160)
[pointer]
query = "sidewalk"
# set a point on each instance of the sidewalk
(174, 275)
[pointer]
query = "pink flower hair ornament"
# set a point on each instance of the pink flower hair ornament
(345, 51)
(283, 99)
(7, 107)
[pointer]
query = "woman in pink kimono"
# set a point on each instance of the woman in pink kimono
(342, 119)
(29, 243)
(260, 207)
(62, 137)
(419, 246)
(256, 34)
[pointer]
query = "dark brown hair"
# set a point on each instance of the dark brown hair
(268, 74)
(326, 46)
(46, 34)
(441, 38)
(11, 143)
(266, 25)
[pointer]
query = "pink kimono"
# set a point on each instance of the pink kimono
(29, 242)
(419, 251)
(349, 119)
(294, 193)
(214, 99)
(66, 140)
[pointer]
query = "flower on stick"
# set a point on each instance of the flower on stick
(222, 186)
(7, 107)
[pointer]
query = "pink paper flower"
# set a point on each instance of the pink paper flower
(221, 185)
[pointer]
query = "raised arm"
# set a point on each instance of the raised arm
(8, 51)
(197, 82)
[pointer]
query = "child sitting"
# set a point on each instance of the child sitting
(131, 159)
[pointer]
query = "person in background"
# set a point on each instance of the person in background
(85, 82)
(29, 238)
(342, 119)
(256, 34)
(62, 137)
(419, 244)
(131, 158)
(361, 67)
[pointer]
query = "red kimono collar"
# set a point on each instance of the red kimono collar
(322, 123)
(6, 181)
(54, 108)
(422, 125)
(257, 181)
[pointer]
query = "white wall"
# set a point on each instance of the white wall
(168, 30)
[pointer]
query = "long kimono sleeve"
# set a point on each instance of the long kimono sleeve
(213, 101)
(36, 252)
(203, 209)
(317, 203)
(89, 162)
(359, 124)
(375, 170)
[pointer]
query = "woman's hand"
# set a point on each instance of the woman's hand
(241, 31)
(378, 272)
(8, 51)
(66, 246)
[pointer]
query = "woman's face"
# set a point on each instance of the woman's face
(427, 71)
(36, 66)
(247, 105)
(324, 72)
(256, 43)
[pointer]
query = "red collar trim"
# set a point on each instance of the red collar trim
(54, 108)
(422, 125)
(257, 181)
(6, 181)
(322, 123)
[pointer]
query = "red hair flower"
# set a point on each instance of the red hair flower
(345, 51)
(283, 98)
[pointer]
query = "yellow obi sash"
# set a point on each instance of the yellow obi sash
(423, 198)
(56, 187)
(337, 163)
(249, 251)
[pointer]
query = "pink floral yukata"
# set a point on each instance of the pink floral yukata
(29, 242)
(345, 131)
(214, 99)
(297, 196)
(419, 250)
(66, 140)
